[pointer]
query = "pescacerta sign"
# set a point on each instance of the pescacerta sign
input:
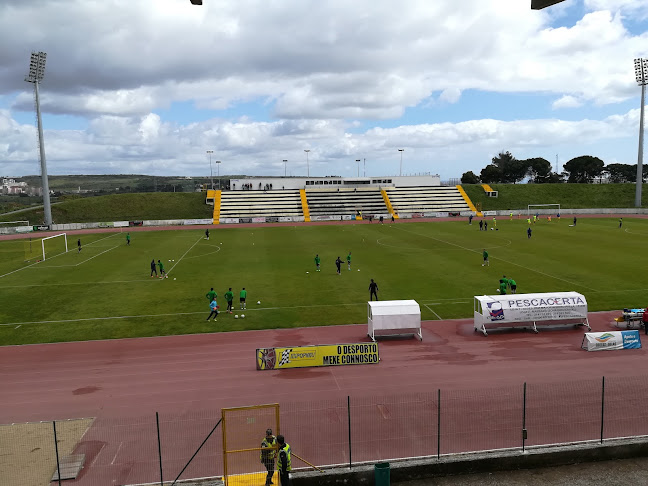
(324, 355)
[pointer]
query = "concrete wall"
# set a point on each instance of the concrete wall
(458, 464)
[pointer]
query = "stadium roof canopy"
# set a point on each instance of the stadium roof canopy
(540, 4)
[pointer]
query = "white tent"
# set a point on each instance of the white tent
(394, 317)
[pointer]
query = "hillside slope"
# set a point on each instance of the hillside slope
(573, 196)
(124, 207)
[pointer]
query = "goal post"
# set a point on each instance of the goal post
(532, 208)
(48, 247)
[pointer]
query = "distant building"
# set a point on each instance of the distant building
(10, 186)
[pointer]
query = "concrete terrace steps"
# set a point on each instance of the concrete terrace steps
(334, 202)
(426, 199)
(250, 204)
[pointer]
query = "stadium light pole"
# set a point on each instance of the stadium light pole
(218, 162)
(641, 74)
(211, 173)
(358, 161)
(401, 163)
(285, 161)
(35, 76)
(307, 166)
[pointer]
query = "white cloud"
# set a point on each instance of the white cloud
(567, 101)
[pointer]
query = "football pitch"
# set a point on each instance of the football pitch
(105, 291)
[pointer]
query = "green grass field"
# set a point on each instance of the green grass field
(106, 291)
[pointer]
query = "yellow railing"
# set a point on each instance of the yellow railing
(468, 201)
(217, 206)
(388, 203)
(487, 188)
(304, 201)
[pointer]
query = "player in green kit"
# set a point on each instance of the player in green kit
(128, 238)
(349, 261)
(503, 284)
(317, 262)
(211, 295)
(242, 297)
(229, 297)
(485, 255)
(162, 271)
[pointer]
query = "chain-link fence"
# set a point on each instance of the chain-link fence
(329, 432)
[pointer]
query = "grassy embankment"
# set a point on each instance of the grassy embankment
(572, 196)
(124, 207)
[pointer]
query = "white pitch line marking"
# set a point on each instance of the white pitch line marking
(432, 311)
(171, 314)
(77, 264)
(500, 259)
(197, 241)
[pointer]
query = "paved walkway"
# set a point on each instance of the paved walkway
(625, 472)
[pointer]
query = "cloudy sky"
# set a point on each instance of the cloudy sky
(148, 86)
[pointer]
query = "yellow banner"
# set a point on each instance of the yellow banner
(326, 355)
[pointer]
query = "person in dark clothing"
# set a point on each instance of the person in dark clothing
(284, 461)
(528, 232)
(470, 219)
(574, 220)
(79, 243)
(644, 318)
(373, 290)
(338, 262)
(207, 234)
(153, 268)
(620, 222)
(481, 224)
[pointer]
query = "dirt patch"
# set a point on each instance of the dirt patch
(27, 452)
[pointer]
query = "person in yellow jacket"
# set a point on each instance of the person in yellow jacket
(268, 454)
(284, 461)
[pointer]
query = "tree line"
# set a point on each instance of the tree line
(506, 169)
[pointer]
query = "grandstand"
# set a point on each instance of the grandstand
(345, 201)
(426, 199)
(255, 204)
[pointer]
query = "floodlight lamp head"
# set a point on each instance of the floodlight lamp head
(36, 67)
(641, 71)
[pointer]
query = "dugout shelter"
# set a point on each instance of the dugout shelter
(393, 318)
(530, 311)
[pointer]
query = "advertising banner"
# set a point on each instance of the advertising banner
(197, 221)
(41, 227)
(326, 355)
(229, 220)
(23, 229)
(489, 213)
(532, 307)
(258, 220)
(120, 224)
(285, 219)
(603, 341)
(106, 224)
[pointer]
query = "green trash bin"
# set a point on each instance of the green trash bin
(381, 474)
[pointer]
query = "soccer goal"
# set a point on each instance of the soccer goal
(48, 247)
(533, 208)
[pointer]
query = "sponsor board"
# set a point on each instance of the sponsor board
(258, 220)
(611, 340)
(197, 221)
(535, 307)
(489, 213)
(106, 224)
(120, 224)
(326, 218)
(285, 219)
(418, 215)
(136, 223)
(325, 355)
(272, 219)
(23, 229)
(41, 227)
(347, 217)
(229, 220)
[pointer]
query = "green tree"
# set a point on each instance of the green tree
(512, 169)
(622, 172)
(490, 173)
(583, 169)
(539, 170)
(469, 178)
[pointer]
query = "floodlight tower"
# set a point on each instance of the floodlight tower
(641, 73)
(35, 76)
(307, 165)
(211, 173)
(401, 163)
(358, 161)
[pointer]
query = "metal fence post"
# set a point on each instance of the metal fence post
(524, 430)
(602, 407)
(58, 465)
(157, 422)
(349, 421)
(439, 423)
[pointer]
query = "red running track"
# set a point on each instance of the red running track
(188, 379)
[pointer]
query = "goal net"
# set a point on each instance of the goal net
(537, 208)
(48, 247)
